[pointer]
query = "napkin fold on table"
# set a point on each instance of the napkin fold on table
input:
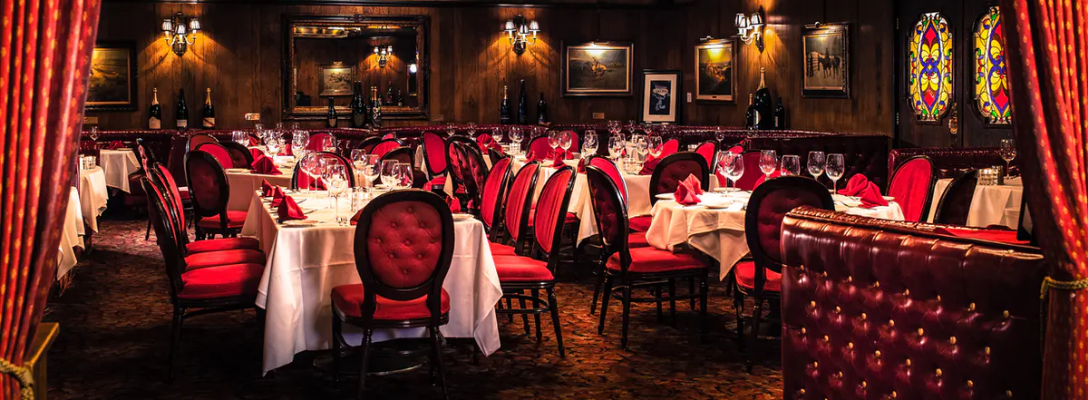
(582, 166)
(688, 191)
(256, 153)
(266, 188)
(871, 197)
(264, 165)
(649, 164)
(855, 185)
(277, 196)
(289, 210)
(486, 142)
(455, 205)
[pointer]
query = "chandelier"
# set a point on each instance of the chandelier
(180, 32)
(521, 32)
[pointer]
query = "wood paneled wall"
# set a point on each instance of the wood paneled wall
(240, 51)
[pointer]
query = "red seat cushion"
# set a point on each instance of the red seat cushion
(650, 260)
(349, 300)
(501, 249)
(221, 281)
(522, 269)
(204, 246)
(994, 235)
(745, 271)
(637, 239)
(224, 257)
(235, 219)
(639, 224)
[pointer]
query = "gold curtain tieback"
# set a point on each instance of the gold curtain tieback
(1049, 283)
(21, 374)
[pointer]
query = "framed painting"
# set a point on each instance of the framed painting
(336, 79)
(715, 77)
(597, 69)
(826, 55)
(661, 96)
(112, 82)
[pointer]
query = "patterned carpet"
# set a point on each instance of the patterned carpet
(115, 328)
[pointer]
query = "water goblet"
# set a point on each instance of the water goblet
(1008, 153)
(790, 165)
(816, 162)
(768, 162)
(835, 167)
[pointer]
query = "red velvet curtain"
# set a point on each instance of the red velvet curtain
(45, 53)
(1048, 69)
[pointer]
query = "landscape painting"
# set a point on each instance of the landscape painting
(336, 80)
(597, 69)
(827, 61)
(112, 81)
(714, 72)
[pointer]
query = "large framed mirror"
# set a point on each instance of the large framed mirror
(328, 57)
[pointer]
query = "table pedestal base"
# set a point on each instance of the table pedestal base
(386, 358)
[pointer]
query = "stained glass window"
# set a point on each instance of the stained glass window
(991, 81)
(930, 64)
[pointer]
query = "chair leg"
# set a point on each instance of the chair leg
(702, 305)
(657, 295)
(597, 292)
(175, 339)
(691, 289)
(554, 306)
(335, 349)
(672, 301)
(524, 317)
(510, 306)
(626, 313)
(436, 344)
(364, 354)
(607, 294)
(536, 317)
(738, 306)
(756, 315)
(147, 234)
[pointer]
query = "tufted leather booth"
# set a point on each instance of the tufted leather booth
(950, 162)
(876, 309)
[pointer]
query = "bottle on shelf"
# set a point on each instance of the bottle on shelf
(389, 95)
(330, 118)
(209, 111)
(358, 106)
(182, 113)
(779, 115)
(523, 106)
(375, 108)
(751, 117)
(541, 111)
(154, 121)
(504, 108)
(763, 103)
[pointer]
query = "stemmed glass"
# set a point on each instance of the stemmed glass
(816, 162)
(336, 180)
(311, 166)
(615, 147)
(370, 171)
(614, 127)
(299, 144)
(94, 133)
(631, 126)
(326, 168)
(515, 137)
(240, 138)
(768, 162)
(495, 134)
(451, 129)
(719, 133)
(1008, 153)
(642, 146)
(358, 157)
(553, 140)
(389, 173)
(273, 144)
(403, 174)
(656, 146)
(835, 168)
(590, 143)
(790, 165)
(329, 145)
(565, 140)
(737, 170)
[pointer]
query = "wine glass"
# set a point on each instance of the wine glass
(358, 158)
(300, 142)
(336, 180)
(403, 175)
(273, 145)
(370, 171)
(615, 147)
(768, 162)
(656, 146)
(239, 137)
(835, 167)
(589, 143)
(613, 127)
(565, 140)
(725, 160)
(631, 126)
(311, 166)
(553, 139)
(471, 129)
(790, 165)
(642, 146)
(495, 134)
(329, 145)
(1008, 153)
(737, 171)
(816, 161)
(94, 133)
(719, 133)
(389, 173)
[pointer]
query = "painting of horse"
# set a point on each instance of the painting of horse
(826, 60)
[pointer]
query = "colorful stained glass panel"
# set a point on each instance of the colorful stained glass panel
(991, 80)
(929, 55)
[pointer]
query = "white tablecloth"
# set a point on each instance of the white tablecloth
(92, 196)
(243, 184)
(71, 235)
(720, 232)
(990, 205)
(304, 264)
(118, 165)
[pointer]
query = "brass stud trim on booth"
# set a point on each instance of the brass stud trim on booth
(952, 340)
(921, 332)
(986, 350)
(971, 307)
(803, 330)
(802, 391)
(849, 279)
(864, 384)
(939, 372)
(970, 384)
(837, 309)
(850, 345)
(864, 316)
(895, 395)
(938, 297)
(906, 292)
(908, 362)
(815, 364)
(1008, 393)
(812, 303)
(891, 322)
(877, 354)
(1005, 314)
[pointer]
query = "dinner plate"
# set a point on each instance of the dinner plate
(716, 206)
(298, 223)
(665, 196)
(462, 217)
(237, 170)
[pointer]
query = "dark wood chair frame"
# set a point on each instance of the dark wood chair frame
(220, 205)
(969, 179)
(237, 149)
(497, 225)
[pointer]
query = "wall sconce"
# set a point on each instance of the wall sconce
(518, 30)
(383, 55)
(750, 28)
(180, 32)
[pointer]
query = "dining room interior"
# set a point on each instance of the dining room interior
(693, 199)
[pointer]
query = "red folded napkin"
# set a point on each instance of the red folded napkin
(290, 210)
(265, 165)
(277, 196)
(114, 145)
(995, 235)
(871, 197)
(763, 178)
(256, 153)
(855, 185)
(649, 165)
(737, 150)
(582, 166)
(266, 188)
(455, 205)
(687, 193)
(486, 142)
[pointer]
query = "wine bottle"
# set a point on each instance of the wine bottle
(375, 108)
(389, 95)
(358, 106)
(523, 112)
(751, 117)
(182, 114)
(155, 120)
(504, 109)
(209, 111)
(400, 98)
(541, 111)
(330, 119)
(763, 103)
(779, 115)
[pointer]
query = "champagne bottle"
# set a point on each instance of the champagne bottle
(182, 114)
(541, 111)
(523, 112)
(751, 117)
(330, 119)
(763, 103)
(376, 108)
(504, 109)
(779, 115)
(358, 106)
(389, 95)
(155, 120)
(209, 111)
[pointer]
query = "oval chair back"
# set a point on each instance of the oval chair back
(388, 266)
(494, 190)
(208, 187)
(240, 156)
(611, 213)
(709, 150)
(912, 187)
(434, 153)
(670, 147)
(165, 236)
(385, 146)
(538, 148)
(195, 141)
(675, 168)
(763, 220)
(144, 154)
(219, 152)
(955, 203)
(609, 168)
(519, 201)
(473, 171)
(751, 171)
(367, 145)
(317, 141)
(551, 213)
(301, 179)
(157, 176)
(402, 154)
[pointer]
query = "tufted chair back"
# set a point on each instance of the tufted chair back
(300, 179)
(519, 200)
(709, 149)
(912, 187)
(670, 147)
(873, 310)
(240, 156)
(473, 170)
(403, 247)
(195, 141)
(675, 168)
(551, 211)
(434, 153)
(494, 189)
(165, 235)
(763, 220)
(955, 203)
(219, 152)
(611, 214)
(385, 146)
(208, 187)
(609, 168)
(317, 141)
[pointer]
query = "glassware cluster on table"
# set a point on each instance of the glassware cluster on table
(629, 152)
(731, 165)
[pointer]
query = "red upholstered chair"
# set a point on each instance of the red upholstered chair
(495, 186)
(516, 211)
(955, 203)
(539, 148)
(403, 248)
(300, 179)
(670, 147)
(912, 187)
(210, 193)
(751, 171)
(435, 158)
(708, 150)
(219, 152)
(196, 140)
(226, 285)
(317, 141)
(676, 168)
(240, 156)
(473, 173)
(761, 277)
(367, 145)
(613, 172)
(385, 146)
(628, 267)
(520, 274)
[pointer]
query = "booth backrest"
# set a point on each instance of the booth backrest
(950, 162)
